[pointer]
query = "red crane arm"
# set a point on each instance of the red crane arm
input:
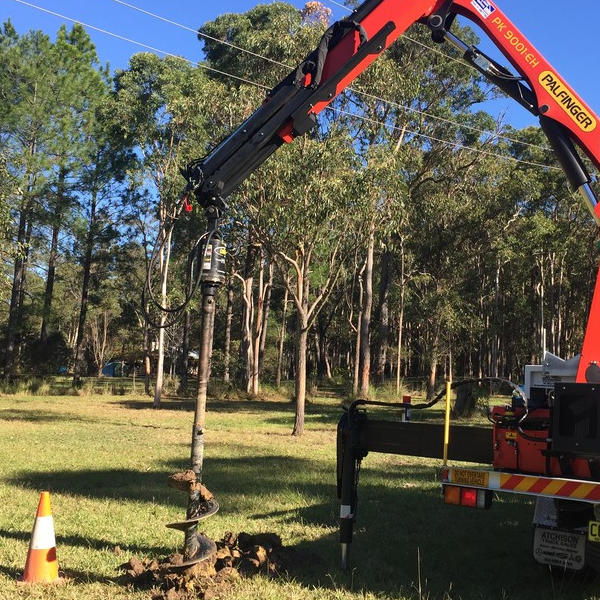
(556, 99)
(352, 44)
(564, 116)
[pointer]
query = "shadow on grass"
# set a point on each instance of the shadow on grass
(10, 572)
(235, 476)
(39, 416)
(121, 484)
(402, 530)
(332, 410)
(43, 417)
(69, 575)
(92, 543)
(408, 544)
(136, 404)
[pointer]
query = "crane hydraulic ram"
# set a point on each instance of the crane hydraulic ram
(554, 432)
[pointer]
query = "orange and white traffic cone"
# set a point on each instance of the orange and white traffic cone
(42, 565)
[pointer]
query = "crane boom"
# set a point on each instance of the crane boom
(352, 44)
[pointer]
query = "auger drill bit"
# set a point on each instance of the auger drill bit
(201, 505)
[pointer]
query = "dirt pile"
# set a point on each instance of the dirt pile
(237, 556)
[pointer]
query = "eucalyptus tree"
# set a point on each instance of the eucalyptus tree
(283, 35)
(304, 218)
(555, 248)
(400, 110)
(159, 109)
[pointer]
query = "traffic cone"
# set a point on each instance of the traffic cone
(41, 565)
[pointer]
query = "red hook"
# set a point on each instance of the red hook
(187, 205)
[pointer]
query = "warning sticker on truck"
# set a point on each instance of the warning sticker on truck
(559, 548)
(468, 477)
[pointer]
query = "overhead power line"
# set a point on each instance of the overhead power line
(456, 145)
(253, 83)
(349, 89)
(201, 34)
(135, 42)
(419, 43)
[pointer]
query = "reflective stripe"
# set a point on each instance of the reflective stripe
(553, 487)
(42, 537)
(531, 484)
(494, 480)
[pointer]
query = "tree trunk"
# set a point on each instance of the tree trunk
(400, 322)
(301, 349)
(246, 346)
(399, 357)
(433, 362)
(541, 296)
(382, 314)
(185, 351)
(85, 289)
(147, 356)
(322, 348)
(165, 256)
(20, 267)
(257, 329)
(228, 321)
(365, 322)
(21, 308)
(13, 311)
(281, 338)
(160, 364)
(496, 335)
(357, 348)
(50, 277)
(267, 313)
(99, 331)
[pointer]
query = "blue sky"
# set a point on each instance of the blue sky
(562, 31)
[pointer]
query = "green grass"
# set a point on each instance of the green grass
(105, 460)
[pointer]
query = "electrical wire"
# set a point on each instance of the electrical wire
(244, 80)
(417, 42)
(195, 257)
(435, 139)
(141, 44)
(349, 89)
(253, 83)
(201, 34)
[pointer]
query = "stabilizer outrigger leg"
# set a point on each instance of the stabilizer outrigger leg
(349, 455)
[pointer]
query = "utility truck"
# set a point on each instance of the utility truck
(546, 443)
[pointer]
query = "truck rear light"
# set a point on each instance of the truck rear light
(451, 494)
(471, 497)
(468, 497)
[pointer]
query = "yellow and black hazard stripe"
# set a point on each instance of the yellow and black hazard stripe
(552, 487)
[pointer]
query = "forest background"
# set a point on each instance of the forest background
(410, 238)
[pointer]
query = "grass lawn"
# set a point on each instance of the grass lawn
(105, 460)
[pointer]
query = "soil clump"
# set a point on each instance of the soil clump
(242, 555)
